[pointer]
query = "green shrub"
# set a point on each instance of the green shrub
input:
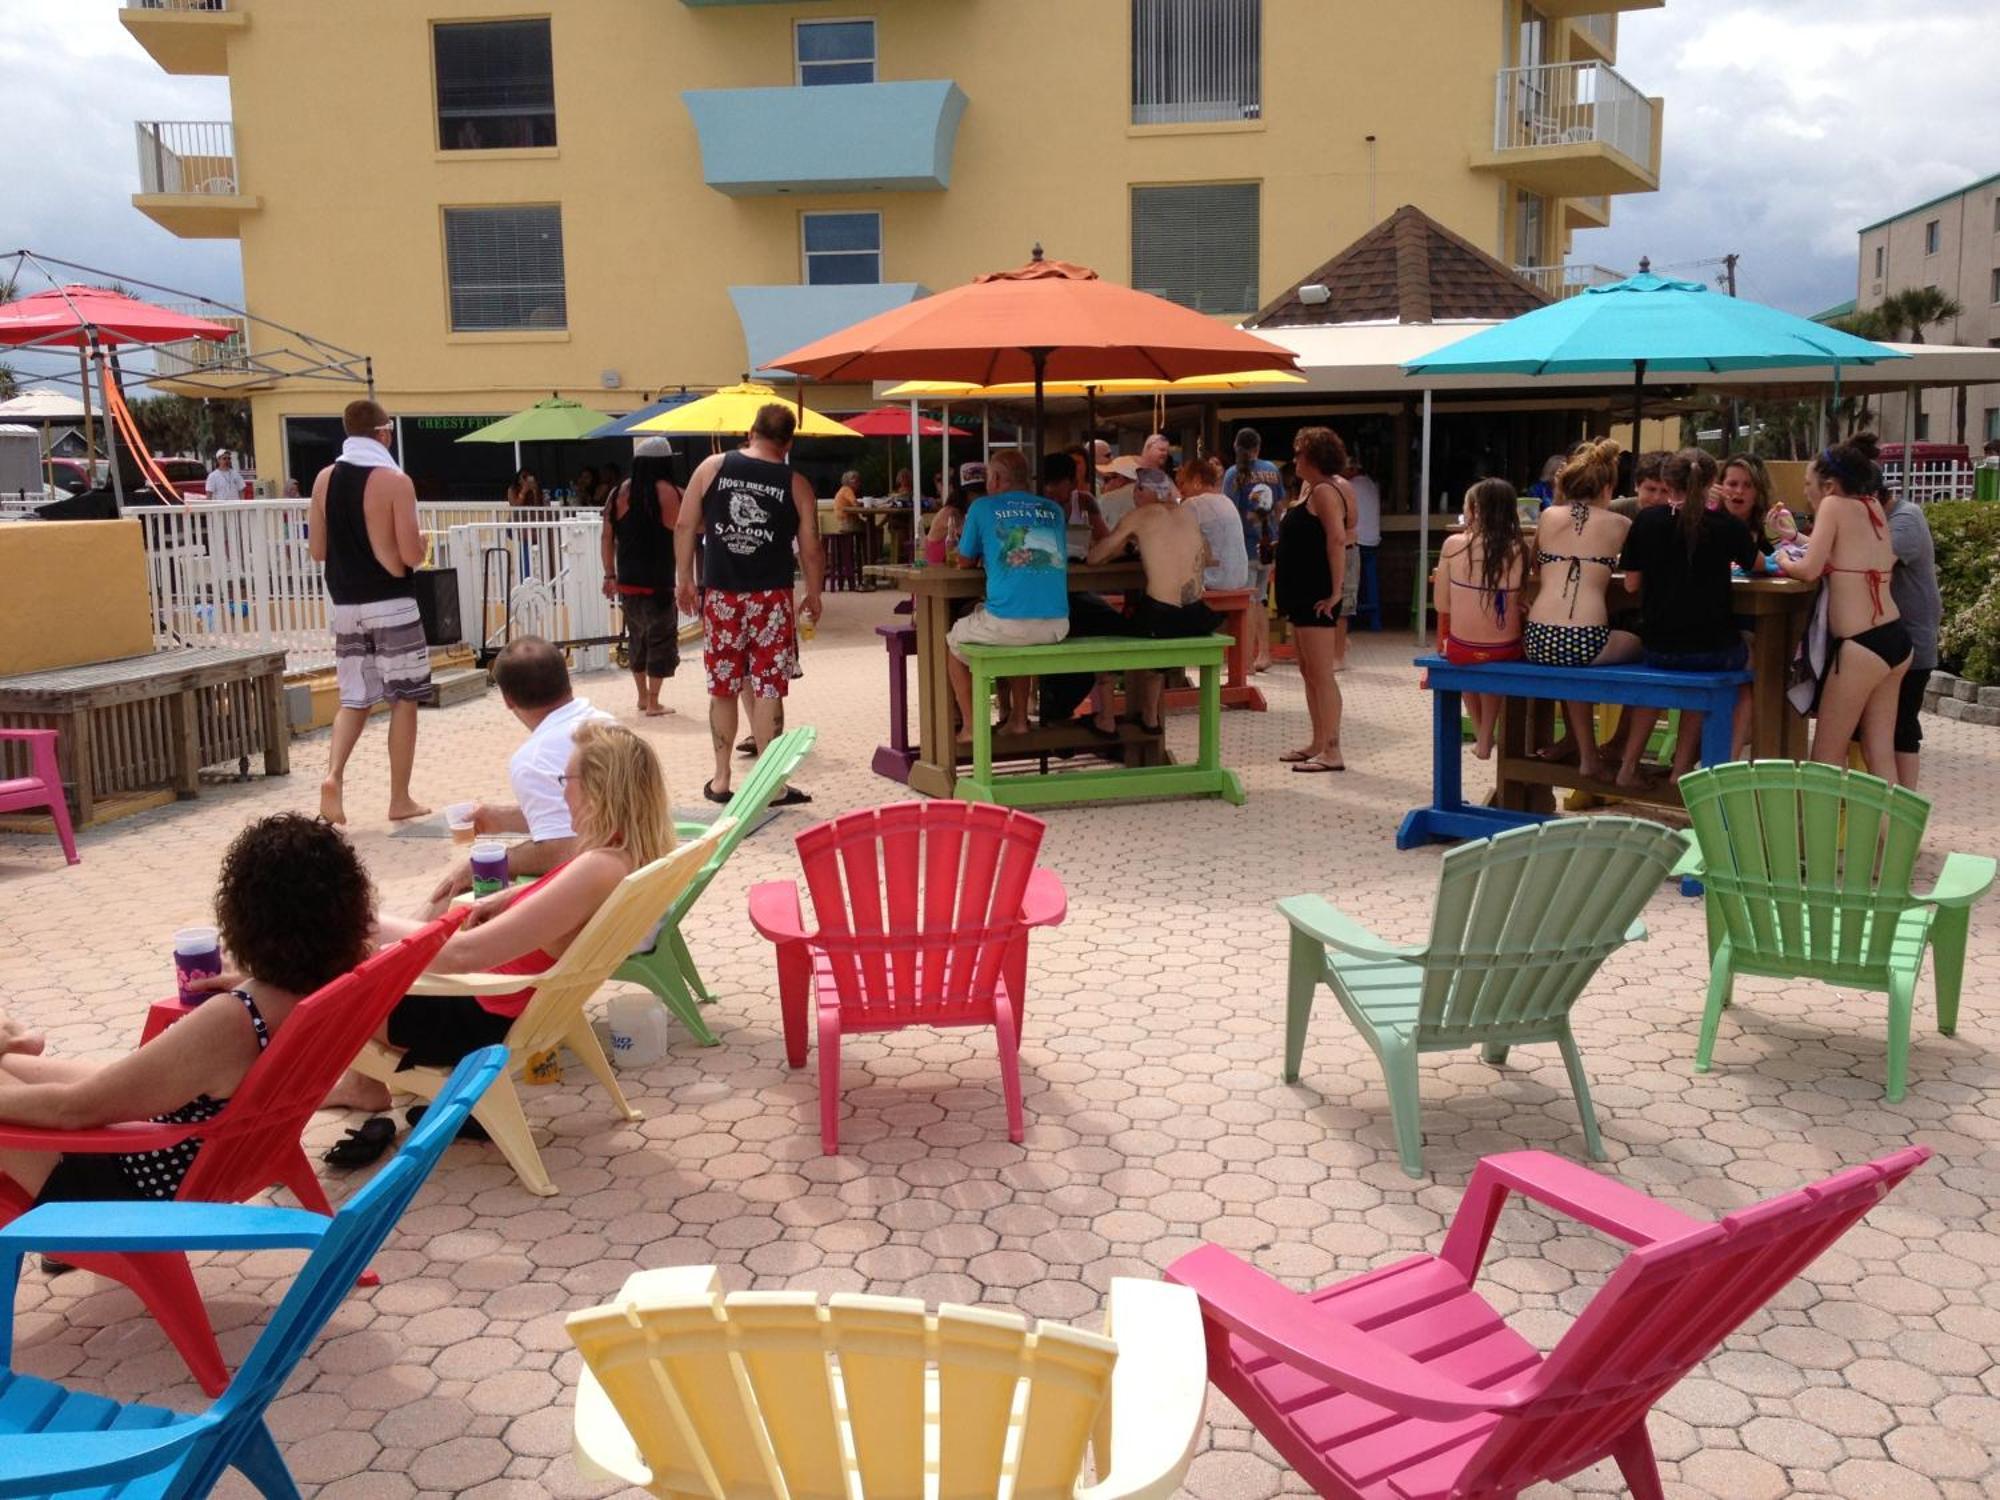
(1967, 533)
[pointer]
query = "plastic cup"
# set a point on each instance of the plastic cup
(489, 868)
(458, 818)
(197, 955)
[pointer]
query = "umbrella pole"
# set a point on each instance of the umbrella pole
(1638, 401)
(1041, 359)
(1424, 523)
(916, 482)
(1090, 437)
(986, 429)
(89, 428)
(944, 460)
(111, 434)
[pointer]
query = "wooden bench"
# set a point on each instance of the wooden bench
(1207, 777)
(1449, 816)
(140, 723)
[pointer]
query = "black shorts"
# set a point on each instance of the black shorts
(652, 633)
(1306, 617)
(1909, 711)
(89, 1177)
(436, 1031)
(1147, 617)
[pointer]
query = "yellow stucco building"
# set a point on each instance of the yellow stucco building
(612, 197)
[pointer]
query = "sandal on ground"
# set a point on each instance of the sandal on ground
(1294, 757)
(53, 1267)
(362, 1146)
(1314, 766)
(471, 1130)
(747, 747)
(708, 790)
(793, 798)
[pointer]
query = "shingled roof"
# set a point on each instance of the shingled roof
(1407, 269)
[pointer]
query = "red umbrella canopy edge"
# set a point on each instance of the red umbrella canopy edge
(894, 421)
(986, 332)
(78, 315)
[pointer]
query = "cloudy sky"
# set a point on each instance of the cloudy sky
(1790, 123)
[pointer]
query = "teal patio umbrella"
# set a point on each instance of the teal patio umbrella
(1645, 322)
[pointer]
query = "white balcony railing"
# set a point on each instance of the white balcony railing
(187, 156)
(205, 356)
(1568, 104)
(1602, 29)
(1566, 281)
(186, 5)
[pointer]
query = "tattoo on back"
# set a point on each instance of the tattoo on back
(1191, 592)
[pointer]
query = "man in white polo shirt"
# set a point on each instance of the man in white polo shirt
(225, 481)
(534, 684)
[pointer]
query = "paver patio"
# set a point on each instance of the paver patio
(1156, 1119)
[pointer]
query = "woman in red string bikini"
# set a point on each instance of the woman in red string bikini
(1868, 644)
(1481, 570)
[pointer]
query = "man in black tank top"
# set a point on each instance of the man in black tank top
(363, 525)
(745, 511)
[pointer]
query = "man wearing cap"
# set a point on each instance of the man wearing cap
(224, 481)
(1017, 537)
(638, 550)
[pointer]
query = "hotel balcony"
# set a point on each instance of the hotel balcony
(1566, 281)
(1559, 10)
(1568, 130)
(185, 36)
(198, 358)
(777, 319)
(834, 138)
(188, 180)
(1594, 35)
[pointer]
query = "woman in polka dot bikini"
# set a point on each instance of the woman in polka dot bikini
(296, 911)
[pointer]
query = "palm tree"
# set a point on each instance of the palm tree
(10, 386)
(1917, 308)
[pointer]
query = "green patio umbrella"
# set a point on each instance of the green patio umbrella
(555, 420)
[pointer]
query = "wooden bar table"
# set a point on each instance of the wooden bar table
(933, 591)
(1777, 609)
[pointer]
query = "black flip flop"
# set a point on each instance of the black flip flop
(748, 747)
(362, 1146)
(793, 798)
(708, 790)
(471, 1130)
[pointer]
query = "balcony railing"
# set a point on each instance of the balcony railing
(1572, 104)
(1566, 281)
(1602, 29)
(187, 5)
(187, 157)
(204, 356)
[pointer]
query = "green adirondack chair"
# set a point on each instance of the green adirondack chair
(667, 968)
(1805, 870)
(1521, 923)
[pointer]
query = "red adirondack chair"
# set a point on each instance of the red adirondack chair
(1404, 1384)
(924, 911)
(42, 788)
(253, 1144)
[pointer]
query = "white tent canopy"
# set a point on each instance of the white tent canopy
(42, 404)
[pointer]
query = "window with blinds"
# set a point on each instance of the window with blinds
(504, 267)
(835, 52)
(1197, 60)
(1198, 244)
(495, 85)
(842, 249)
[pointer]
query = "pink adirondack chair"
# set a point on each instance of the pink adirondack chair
(924, 911)
(253, 1144)
(1404, 1384)
(43, 788)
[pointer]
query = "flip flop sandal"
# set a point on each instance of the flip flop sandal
(747, 747)
(793, 798)
(471, 1130)
(1315, 767)
(708, 790)
(363, 1146)
(1293, 757)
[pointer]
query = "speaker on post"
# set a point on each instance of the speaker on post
(436, 591)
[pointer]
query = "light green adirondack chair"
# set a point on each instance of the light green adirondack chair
(667, 968)
(1806, 873)
(1521, 923)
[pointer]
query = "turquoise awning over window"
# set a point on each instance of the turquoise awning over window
(778, 318)
(839, 138)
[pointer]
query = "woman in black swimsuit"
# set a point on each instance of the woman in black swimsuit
(296, 910)
(1868, 645)
(1312, 545)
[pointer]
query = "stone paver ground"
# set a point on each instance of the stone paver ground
(1157, 1119)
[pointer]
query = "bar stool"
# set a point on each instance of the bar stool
(1368, 608)
(894, 759)
(843, 562)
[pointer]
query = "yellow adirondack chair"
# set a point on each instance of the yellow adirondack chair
(695, 1395)
(554, 1016)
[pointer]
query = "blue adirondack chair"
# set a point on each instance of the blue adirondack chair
(58, 1442)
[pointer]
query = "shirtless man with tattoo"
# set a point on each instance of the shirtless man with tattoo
(1173, 552)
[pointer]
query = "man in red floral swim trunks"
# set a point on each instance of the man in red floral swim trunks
(744, 510)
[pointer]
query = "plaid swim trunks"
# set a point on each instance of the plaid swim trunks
(750, 638)
(379, 654)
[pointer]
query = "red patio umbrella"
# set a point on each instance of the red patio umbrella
(894, 422)
(1047, 320)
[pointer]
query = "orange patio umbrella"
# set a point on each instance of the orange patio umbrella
(1045, 321)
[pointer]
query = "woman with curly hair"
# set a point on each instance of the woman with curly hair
(1312, 562)
(295, 910)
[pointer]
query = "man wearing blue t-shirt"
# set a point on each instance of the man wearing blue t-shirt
(1020, 539)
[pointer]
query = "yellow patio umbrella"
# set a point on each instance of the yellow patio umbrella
(730, 411)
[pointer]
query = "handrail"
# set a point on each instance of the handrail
(1574, 103)
(187, 156)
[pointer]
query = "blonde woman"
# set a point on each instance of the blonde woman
(618, 803)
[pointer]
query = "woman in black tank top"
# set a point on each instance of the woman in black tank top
(1312, 545)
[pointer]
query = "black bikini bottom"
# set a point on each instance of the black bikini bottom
(1890, 642)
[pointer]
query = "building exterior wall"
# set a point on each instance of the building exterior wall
(336, 136)
(1964, 266)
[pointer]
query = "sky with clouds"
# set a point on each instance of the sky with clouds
(1789, 124)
